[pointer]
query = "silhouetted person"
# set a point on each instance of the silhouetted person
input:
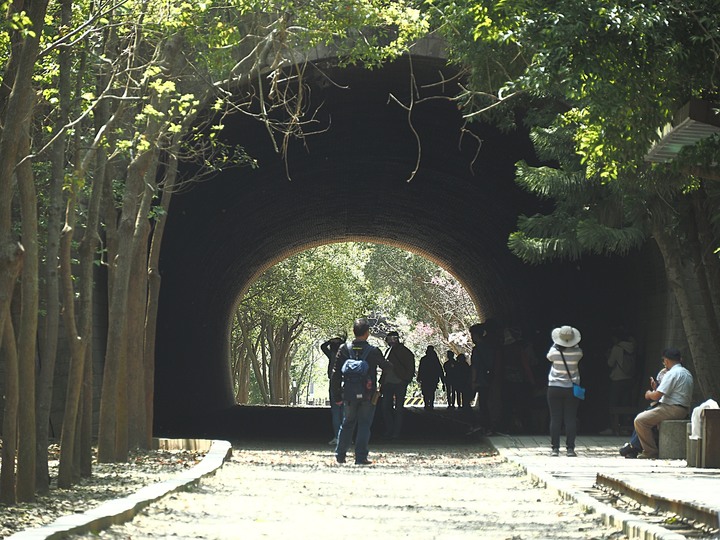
(449, 368)
(482, 363)
(463, 383)
(621, 361)
(517, 382)
(394, 383)
(430, 372)
(330, 349)
(494, 337)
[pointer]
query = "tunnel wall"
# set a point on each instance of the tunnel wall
(353, 181)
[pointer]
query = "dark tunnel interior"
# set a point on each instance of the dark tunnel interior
(350, 182)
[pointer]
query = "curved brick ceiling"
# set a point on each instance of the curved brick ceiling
(349, 183)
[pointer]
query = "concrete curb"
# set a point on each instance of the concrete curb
(629, 524)
(122, 510)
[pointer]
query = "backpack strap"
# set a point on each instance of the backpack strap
(363, 356)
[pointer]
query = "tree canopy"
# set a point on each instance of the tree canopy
(596, 83)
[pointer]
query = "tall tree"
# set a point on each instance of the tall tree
(609, 75)
(16, 109)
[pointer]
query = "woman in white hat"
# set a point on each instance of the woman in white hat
(565, 356)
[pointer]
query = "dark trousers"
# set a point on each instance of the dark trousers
(393, 407)
(563, 407)
(451, 395)
(428, 393)
(516, 406)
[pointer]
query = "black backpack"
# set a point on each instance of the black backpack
(357, 384)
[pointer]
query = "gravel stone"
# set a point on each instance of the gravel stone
(419, 491)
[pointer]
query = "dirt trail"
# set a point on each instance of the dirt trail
(410, 491)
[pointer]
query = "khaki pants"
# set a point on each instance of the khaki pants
(646, 420)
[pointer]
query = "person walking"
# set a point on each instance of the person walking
(430, 372)
(674, 396)
(394, 383)
(357, 410)
(564, 355)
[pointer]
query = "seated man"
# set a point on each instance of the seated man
(673, 394)
(632, 448)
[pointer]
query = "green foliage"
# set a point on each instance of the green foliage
(324, 285)
(417, 295)
(623, 66)
(330, 286)
(596, 81)
(590, 215)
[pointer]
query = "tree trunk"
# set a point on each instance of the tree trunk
(705, 357)
(16, 112)
(154, 282)
(701, 272)
(137, 304)
(27, 338)
(709, 244)
(10, 415)
(50, 331)
(113, 436)
(241, 363)
(252, 351)
(11, 260)
(78, 348)
(280, 343)
(86, 407)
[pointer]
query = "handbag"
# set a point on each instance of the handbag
(578, 391)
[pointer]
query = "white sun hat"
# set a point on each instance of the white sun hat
(567, 336)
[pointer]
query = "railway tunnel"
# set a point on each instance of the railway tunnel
(354, 179)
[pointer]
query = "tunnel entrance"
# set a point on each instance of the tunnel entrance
(349, 182)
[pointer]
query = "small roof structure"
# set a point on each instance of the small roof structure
(697, 120)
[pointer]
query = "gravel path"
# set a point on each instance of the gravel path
(418, 491)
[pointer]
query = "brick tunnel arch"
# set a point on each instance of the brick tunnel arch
(349, 182)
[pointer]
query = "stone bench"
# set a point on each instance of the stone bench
(672, 443)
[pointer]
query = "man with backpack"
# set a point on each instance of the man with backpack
(394, 383)
(354, 384)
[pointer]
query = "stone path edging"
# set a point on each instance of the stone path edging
(629, 524)
(122, 510)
